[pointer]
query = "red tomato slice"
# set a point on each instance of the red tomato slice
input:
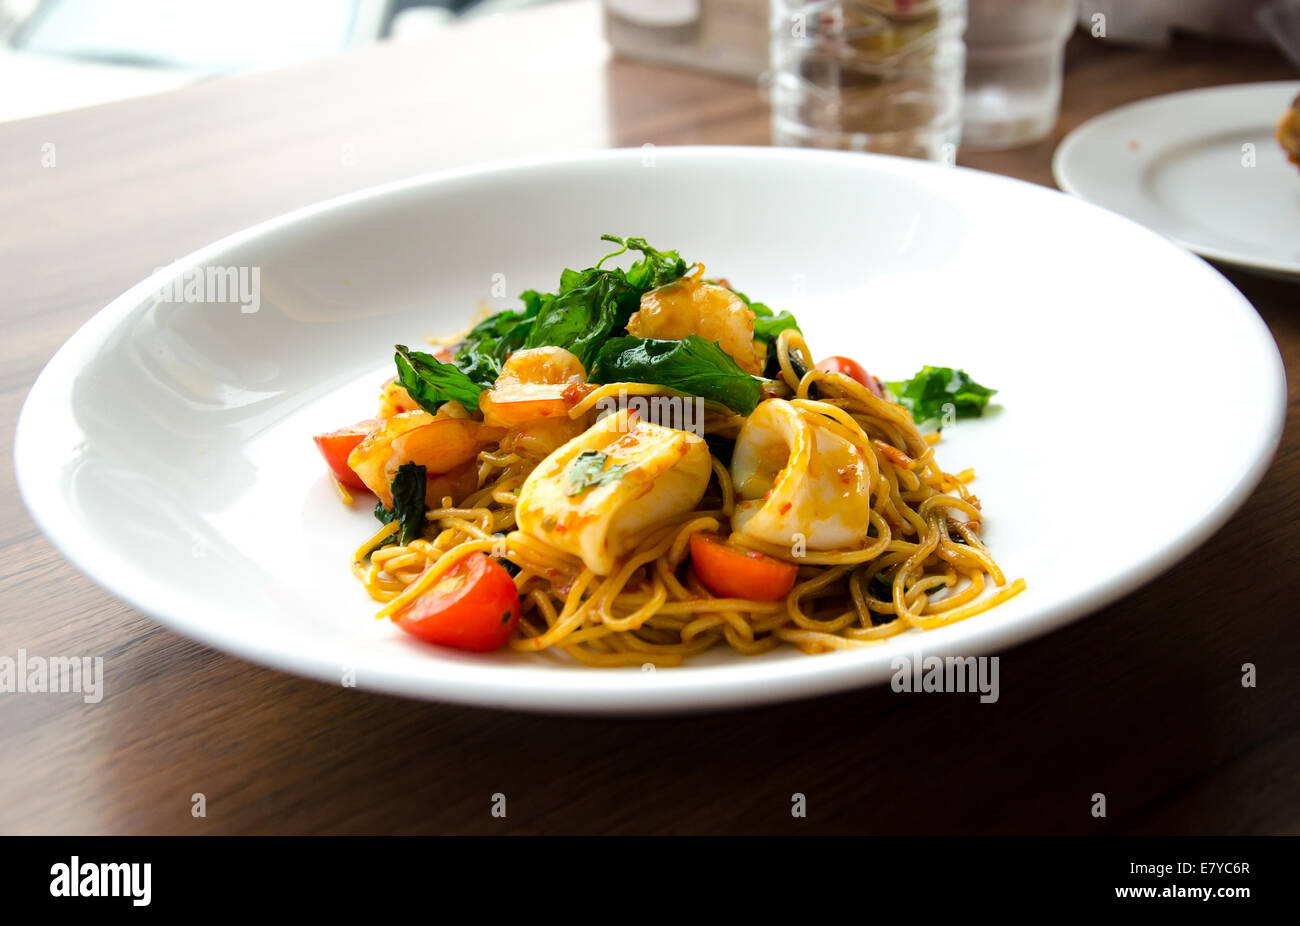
(851, 368)
(475, 606)
(335, 447)
(730, 572)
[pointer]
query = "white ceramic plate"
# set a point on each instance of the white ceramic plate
(166, 448)
(1201, 167)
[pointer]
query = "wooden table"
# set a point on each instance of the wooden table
(1142, 701)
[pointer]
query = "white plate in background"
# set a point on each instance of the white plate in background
(1202, 167)
(166, 448)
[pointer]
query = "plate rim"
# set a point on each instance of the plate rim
(569, 693)
(1082, 133)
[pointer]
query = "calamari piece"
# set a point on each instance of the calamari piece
(594, 496)
(794, 475)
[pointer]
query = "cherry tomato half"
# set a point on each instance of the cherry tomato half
(335, 447)
(731, 572)
(475, 606)
(851, 368)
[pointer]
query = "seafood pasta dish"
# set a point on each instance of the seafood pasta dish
(645, 464)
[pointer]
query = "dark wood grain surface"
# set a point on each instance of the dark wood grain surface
(1143, 701)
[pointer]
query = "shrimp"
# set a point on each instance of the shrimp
(394, 399)
(691, 306)
(795, 475)
(442, 445)
(532, 397)
(536, 383)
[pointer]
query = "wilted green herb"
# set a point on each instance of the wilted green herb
(926, 394)
(432, 382)
(408, 488)
(588, 471)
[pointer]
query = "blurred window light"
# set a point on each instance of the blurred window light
(203, 35)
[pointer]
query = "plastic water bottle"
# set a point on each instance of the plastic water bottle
(868, 75)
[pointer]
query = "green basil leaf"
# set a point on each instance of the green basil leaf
(491, 341)
(926, 394)
(767, 328)
(768, 324)
(692, 365)
(408, 485)
(432, 382)
(590, 306)
(655, 268)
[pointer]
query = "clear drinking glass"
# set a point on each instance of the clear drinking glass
(868, 75)
(1015, 54)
